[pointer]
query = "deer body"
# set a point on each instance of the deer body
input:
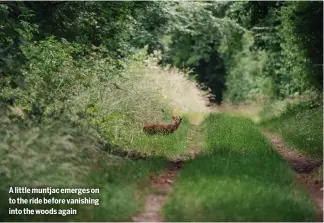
(162, 128)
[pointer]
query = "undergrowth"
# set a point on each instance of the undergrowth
(59, 154)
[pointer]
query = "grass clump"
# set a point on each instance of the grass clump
(238, 178)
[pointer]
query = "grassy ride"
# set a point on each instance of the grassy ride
(237, 178)
(79, 80)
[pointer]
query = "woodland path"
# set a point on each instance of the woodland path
(162, 183)
(155, 201)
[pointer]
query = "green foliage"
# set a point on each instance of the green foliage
(51, 71)
(238, 173)
(120, 27)
(205, 41)
(13, 33)
(302, 30)
(51, 78)
(248, 69)
(276, 45)
(204, 37)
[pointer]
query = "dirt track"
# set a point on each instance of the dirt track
(163, 186)
(304, 168)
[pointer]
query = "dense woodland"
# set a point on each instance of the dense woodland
(77, 83)
(241, 50)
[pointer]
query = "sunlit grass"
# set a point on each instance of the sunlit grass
(238, 178)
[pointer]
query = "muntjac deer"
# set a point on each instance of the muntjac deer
(163, 128)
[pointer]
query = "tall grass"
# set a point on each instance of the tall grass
(238, 178)
(143, 93)
(99, 110)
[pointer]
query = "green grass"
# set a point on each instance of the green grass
(303, 129)
(122, 190)
(120, 195)
(238, 178)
